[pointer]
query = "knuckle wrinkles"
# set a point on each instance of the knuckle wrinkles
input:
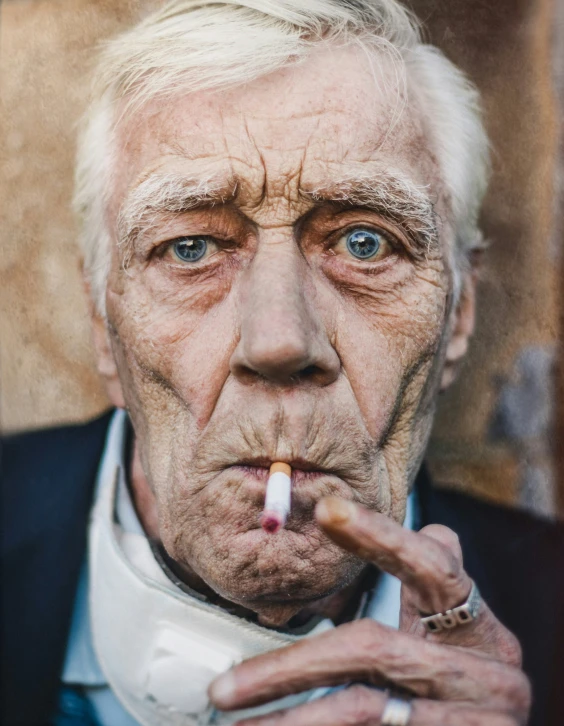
(361, 641)
(444, 571)
(441, 533)
(361, 707)
(510, 650)
(452, 570)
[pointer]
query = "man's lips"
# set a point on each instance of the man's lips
(308, 486)
(301, 470)
(245, 480)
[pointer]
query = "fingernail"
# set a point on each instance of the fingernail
(222, 690)
(337, 511)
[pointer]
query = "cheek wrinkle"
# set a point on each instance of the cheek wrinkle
(278, 497)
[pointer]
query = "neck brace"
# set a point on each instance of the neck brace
(158, 646)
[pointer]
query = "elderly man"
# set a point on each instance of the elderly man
(279, 206)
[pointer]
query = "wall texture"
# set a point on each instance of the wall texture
(495, 432)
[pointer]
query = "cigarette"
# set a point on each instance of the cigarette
(278, 496)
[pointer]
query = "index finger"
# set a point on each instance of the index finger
(368, 652)
(428, 567)
(429, 564)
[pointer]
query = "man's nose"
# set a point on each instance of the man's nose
(283, 337)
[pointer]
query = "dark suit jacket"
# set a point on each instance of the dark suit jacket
(47, 484)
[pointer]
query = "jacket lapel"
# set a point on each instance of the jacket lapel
(48, 480)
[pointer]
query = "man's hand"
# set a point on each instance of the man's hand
(467, 676)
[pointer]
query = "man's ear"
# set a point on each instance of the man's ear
(104, 356)
(462, 326)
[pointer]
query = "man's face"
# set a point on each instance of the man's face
(277, 294)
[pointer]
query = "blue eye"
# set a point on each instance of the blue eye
(363, 243)
(190, 249)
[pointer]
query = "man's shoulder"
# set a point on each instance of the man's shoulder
(48, 472)
(486, 521)
(48, 479)
(24, 450)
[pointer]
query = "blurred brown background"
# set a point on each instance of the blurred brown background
(499, 429)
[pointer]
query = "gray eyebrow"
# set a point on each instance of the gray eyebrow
(391, 194)
(172, 194)
(395, 197)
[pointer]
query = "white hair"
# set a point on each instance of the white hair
(195, 45)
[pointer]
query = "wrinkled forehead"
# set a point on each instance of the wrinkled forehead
(339, 114)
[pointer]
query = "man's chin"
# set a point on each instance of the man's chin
(279, 587)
